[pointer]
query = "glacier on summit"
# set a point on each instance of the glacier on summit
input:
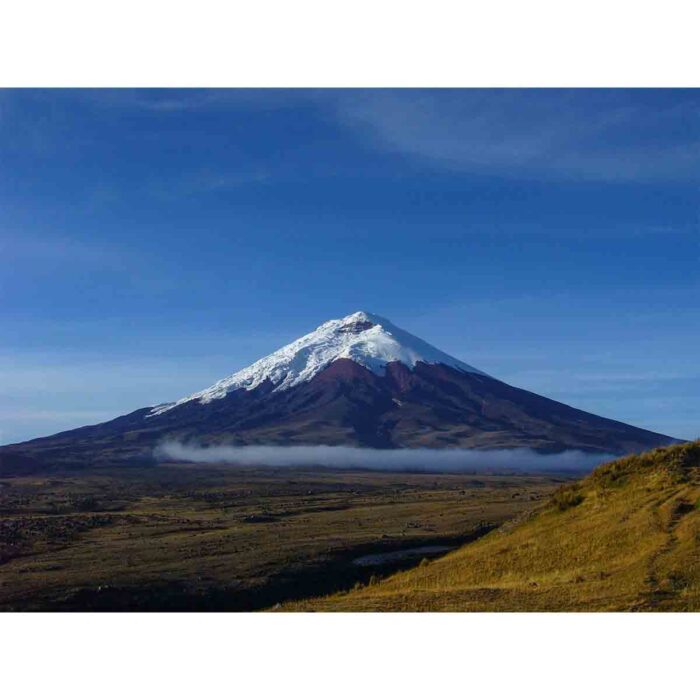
(367, 339)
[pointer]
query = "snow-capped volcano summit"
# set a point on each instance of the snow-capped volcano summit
(368, 340)
(357, 380)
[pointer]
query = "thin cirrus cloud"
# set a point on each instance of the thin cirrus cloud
(572, 134)
(191, 99)
(25, 247)
(589, 135)
(204, 181)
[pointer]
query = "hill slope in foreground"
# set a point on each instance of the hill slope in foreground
(627, 537)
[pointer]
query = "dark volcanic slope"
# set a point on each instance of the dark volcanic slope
(431, 405)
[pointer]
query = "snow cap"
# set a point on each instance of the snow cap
(365, 338)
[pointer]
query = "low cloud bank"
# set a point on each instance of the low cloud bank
(420, 459)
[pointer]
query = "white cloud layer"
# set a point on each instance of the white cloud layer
(423, 459)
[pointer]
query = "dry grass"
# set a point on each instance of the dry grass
(194, 538)
(625, 538)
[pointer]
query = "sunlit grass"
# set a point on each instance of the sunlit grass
(625, 538)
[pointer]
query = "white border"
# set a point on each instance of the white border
(349, 656)
(340, 44)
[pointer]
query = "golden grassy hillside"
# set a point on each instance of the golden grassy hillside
(627, 537)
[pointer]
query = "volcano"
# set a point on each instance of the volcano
(359, 381)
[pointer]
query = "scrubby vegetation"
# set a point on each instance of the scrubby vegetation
(625, 538)
(194, 538)
(567, 497)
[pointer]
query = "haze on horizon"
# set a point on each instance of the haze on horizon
(154, 241)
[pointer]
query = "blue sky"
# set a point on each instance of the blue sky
(152, 241)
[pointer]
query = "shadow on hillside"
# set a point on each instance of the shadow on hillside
(337, 574)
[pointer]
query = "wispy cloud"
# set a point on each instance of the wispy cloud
(422, 459)
(597, 135)
(594, 382)
(58, 249)
(178, 100)
(204, 182)
(591, 135)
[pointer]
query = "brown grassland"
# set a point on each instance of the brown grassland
(179, 537)
(626, 538)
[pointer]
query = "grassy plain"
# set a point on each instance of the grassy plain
(179, 537)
